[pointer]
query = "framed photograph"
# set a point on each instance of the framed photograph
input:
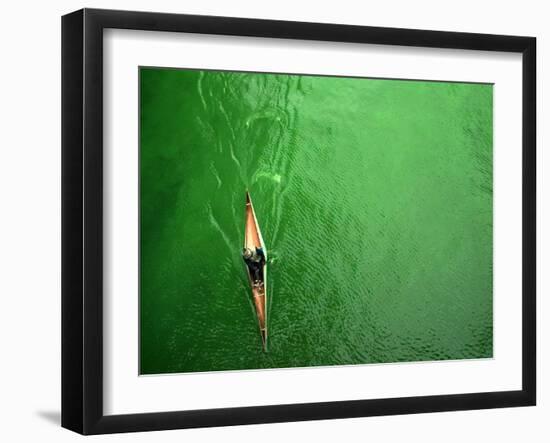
(269, 221)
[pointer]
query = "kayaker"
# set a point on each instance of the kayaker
(255, 261)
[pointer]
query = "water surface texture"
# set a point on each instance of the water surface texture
(374, 198)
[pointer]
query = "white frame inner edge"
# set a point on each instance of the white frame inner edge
(126, 392)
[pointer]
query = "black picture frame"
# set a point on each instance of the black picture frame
(82, 220)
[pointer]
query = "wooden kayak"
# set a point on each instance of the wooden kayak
(253, 239)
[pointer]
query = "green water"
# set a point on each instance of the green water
(374, 198)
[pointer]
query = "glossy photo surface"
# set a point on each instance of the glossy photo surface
(374, 198)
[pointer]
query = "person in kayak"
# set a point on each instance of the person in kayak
(255, 261)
